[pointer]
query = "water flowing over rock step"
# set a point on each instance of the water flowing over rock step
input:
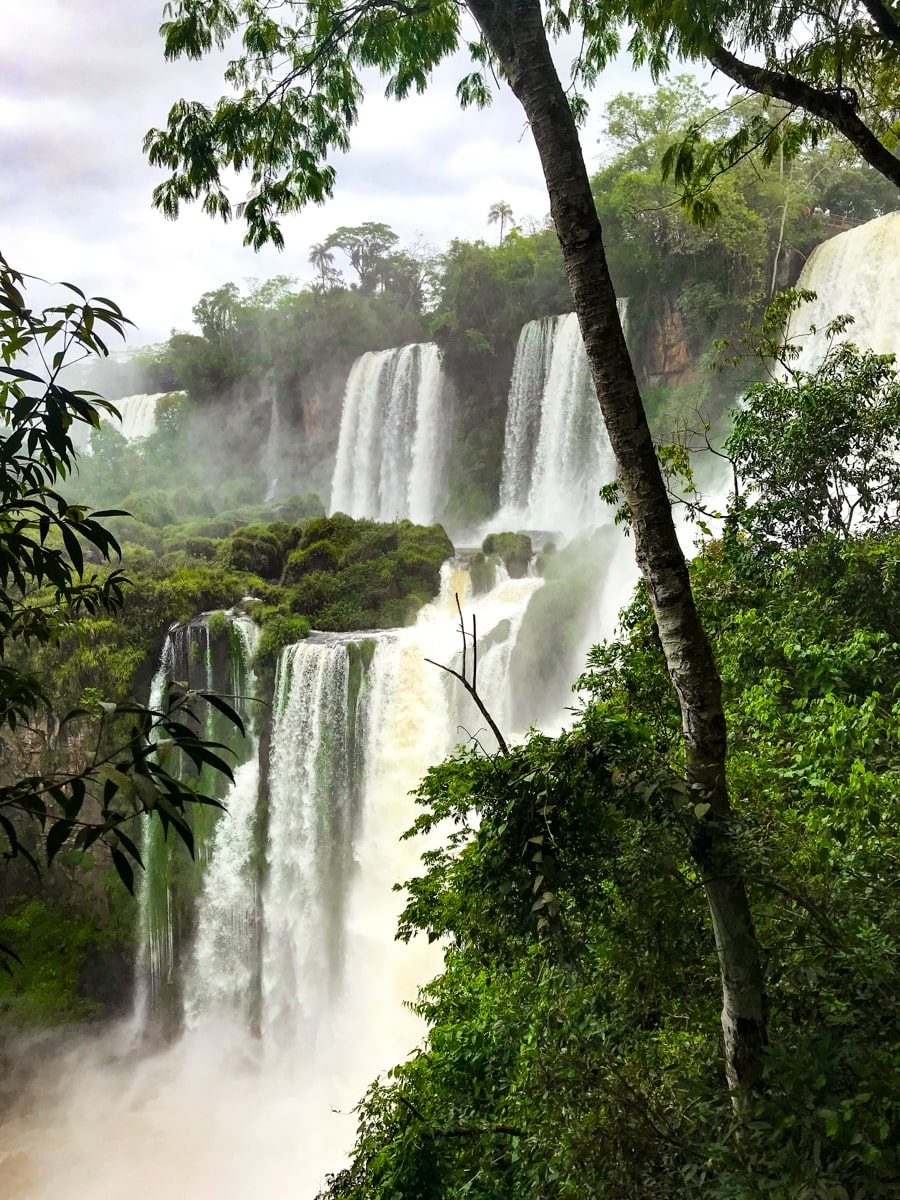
(280, 925)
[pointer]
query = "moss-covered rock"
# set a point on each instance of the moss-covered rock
(347, 574)
(513, 548)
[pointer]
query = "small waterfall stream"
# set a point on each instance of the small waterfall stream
(138, 415)
(271, 456)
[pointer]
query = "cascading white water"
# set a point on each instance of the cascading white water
(391, 450)
(852, 273)
(221, 974)
(310, 820)
(162, 975)
(155, 949)
(427, 477)
(523, 415)
(138, 415)
(556, 452)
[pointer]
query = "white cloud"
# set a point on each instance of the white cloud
(81, 84)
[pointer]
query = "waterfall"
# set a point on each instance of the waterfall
(556, 453)
(154, 925)
(272, 452)
(427, 479)
(167, 886)
(138, 415)
(220, 978)
(523, 416)
(391, 457)
(850, 273)
(312, 804)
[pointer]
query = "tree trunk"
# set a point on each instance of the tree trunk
(515, 31)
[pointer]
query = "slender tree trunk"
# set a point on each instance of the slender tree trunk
(515, 31)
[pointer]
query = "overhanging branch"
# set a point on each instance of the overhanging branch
(829, 106)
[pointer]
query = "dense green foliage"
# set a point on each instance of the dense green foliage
(347, 574)
(297, 82)
(67, 957)
(47, 589)
(572, 1047)
(708, 280)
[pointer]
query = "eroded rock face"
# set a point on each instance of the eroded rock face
(667, 347)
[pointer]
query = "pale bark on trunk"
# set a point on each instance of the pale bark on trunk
(515, 32)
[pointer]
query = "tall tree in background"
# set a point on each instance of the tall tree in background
(365, 246)
(500, 213)
(323, 260)
(283, 127)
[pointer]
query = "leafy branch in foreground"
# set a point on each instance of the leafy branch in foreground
(45, 543)
(143, 775)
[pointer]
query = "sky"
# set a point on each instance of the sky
(80, 84)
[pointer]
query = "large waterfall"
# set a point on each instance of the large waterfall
(853, 273)
(391, 457)
(274, 951)
(556, 454)
(273, 954)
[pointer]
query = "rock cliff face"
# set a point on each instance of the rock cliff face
(666, 353)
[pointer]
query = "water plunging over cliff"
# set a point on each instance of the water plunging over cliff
(138, 415)
(391, 457)
(556, 454)
(220, 975)
(188, 956)
(854, 272)
(284, 928)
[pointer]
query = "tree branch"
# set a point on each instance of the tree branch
(829, 106)
(885, 21)
(470, 687)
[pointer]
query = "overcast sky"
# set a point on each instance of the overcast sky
(80, 84)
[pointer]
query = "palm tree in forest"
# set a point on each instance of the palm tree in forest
(323, 260)
(502, 213)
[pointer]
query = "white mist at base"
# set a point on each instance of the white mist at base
(199, 1121)
(226, 1115)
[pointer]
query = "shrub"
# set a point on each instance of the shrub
(201, 547)
(217, 624)
(153, 507)
(278, 631)
(252, 548)
(348, 574)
